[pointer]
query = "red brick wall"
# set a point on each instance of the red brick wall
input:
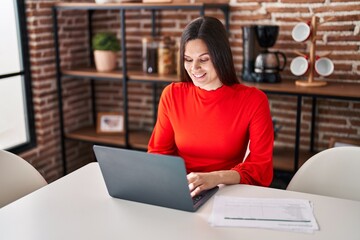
(334, 117)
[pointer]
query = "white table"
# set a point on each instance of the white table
(78, 206)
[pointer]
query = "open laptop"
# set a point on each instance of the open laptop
(148, 178)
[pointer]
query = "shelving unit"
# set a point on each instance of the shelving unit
(334, 90)
(134, 140)
(288, 159)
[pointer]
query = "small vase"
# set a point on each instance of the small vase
(105, 60)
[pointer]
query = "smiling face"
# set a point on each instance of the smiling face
(198, 64)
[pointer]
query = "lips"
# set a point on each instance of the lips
(199, 75)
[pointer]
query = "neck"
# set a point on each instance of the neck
(211, 87)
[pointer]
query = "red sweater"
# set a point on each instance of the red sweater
(210, 130)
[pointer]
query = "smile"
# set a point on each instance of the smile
(199, 75)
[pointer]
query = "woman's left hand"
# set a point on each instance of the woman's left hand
(199, 182)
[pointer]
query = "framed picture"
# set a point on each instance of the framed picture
(340, 142)
(110, 122)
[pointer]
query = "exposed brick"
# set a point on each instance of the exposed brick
(260, 1)
(338, 8)
(255, 17)
(355, 123)
(349, 56)
(253, 7)
(287, 9)
(349, 38)
(339, 35)
(337, 47)
(303, 1)
(331, 27)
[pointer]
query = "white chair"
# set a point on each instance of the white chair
(334, 172)
(17, 178)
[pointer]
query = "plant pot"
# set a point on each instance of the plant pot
(105, 60)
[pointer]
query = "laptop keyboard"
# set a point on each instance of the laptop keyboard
(197, 198)
(203, 196)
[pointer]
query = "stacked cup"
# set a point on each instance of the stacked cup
(300, 65)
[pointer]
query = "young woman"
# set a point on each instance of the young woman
(209, 118)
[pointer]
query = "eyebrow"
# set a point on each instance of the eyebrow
(199, 55)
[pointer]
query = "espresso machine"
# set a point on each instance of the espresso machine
(260, 64)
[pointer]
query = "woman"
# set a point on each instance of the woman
(209, 117)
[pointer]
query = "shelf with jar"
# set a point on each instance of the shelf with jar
(132, 75)
(128, 139)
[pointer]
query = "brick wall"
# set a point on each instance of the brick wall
(334, 117)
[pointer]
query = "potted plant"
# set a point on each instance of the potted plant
(105, 46)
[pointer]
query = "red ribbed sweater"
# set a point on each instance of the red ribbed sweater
(210, 130)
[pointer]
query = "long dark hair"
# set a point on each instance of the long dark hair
(213, 33)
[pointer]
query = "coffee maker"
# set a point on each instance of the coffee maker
(260, 64)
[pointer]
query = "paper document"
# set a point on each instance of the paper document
(272, 213)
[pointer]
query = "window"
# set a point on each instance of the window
(17, 131)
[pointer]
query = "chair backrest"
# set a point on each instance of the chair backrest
(17, 178)
(333, 172)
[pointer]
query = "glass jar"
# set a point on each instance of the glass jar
(150, 54)
(166, 56)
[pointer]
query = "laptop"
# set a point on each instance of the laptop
(148, 178)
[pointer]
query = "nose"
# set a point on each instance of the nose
(195, 65)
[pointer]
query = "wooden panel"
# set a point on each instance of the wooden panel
(117, 74)
(351, 90)
(331, 89)
(92, 73)
(137, 139)
(89, 134)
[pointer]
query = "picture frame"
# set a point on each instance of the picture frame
(110, 123)
(339, 142)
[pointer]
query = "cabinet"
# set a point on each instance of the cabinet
(138, 139)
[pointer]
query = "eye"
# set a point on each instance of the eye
(203, 60)
(187, 60)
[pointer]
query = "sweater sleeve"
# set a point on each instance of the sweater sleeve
(257, 168)
(162, 139)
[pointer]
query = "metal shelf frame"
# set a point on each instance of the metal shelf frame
(331, 91)
(122, 8)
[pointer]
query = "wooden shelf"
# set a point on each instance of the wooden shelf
(344, 90)
(283, 157)
(133, 75)
(332, 89)
(137, 139)
(92, 73)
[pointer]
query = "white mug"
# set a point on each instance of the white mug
(301, 32)
(324, 66)
(299, 66)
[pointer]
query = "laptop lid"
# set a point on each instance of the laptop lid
(147, 178)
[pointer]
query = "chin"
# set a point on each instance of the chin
(198, 84)
(199, 81)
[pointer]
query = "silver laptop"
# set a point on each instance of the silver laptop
(148, 178)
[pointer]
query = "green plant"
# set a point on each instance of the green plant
(105, 41)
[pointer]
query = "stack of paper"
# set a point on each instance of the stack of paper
(271, 213)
